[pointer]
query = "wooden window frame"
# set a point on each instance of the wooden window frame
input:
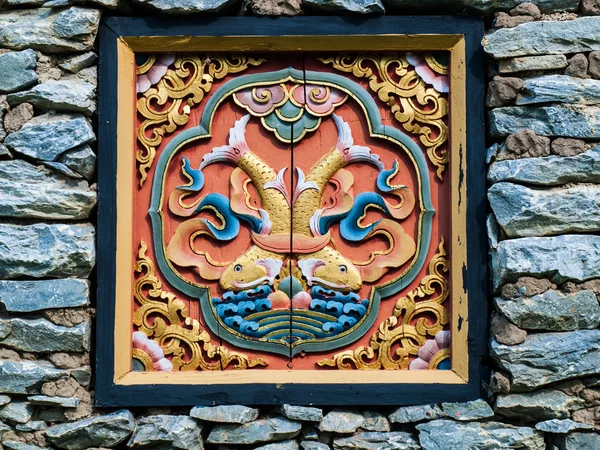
(120, 38)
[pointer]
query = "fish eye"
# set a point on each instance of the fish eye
(343, 269)
(237, 268)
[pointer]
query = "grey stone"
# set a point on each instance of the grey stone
(522, 211)
(558, 258)
(29, 296)
(493, 231)
(377, 441)
(81, 159)
(408, 414)
(549, 170)
(82, 375)
(552, 311)
(4, 400)
(49, 30)
(181, 7)
(15, 445)
(543, 404)
(17, 70)
(544, 37)
(505, 332)
(45, 400)
(46, 137)
(574, 354)
(503, 20)
(557, 88)
(167, 431)
(108, 431)
(25, 377)
(563, 426)
(72, 95)
(577, 121)
(578, 66)
(532, 63)
(46, 250)
(526, 9)
(578, 441)
(341, 421)
(225, 413)
(594, 69)
(62, 169)
(374, 421)
(42, 336)
(285, 445)
(444, 434)
(32, 425)
(313, 445)
(52, 415)
(4, 152)
(473, 410)
(40, 193)
(78, 62)
(481, 6)
(590, 7)
(269, 429)
(18, 411)
(346, 6)
(302, 413)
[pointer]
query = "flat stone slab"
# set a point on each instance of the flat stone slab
(341, 421)
(18, 411)
(70, 95)
(29, 296)
(544, 37)
(523, 212)
(577, 441)
(346, 6)
(26, 377)
(46, 137)
(62, 402)
(184, 7)
(225, 413)
(549, 170)
(552, 311)
(408, 414)
(564, 426)
(574, 354)
(302, 413)
(17, 70)
(556, 88)
(42, 336)
(530, 63)
(46, 250)
(377, 440)
(543, 404)
(49, 30)
(262, 430)
(482, 6)
(375, 421)
(36, 192)
(473, 410)
(81, 160)
(575, 121)
(177, 432)
(284, 445)
(559, 258)
(100, 431)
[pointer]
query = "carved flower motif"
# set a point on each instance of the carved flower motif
(150, 72)
(431, 75)
(153, 350)
(429, 350)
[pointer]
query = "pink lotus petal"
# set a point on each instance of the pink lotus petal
(418, 364)
(143, 84)
(154, 350)
(139, 339)
(163, 365)
(442, 339)
(429, 349)
(166, 59)
(156, 72)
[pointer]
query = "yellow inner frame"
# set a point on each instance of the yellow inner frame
(126, 184)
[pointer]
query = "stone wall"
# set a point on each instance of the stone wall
(544, 120)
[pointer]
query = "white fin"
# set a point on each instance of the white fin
(265, 227)
(308, 267)
(272, 266)
(313, 223)
(353, 153)
(279, 184)
(302, 185)
(236, 148)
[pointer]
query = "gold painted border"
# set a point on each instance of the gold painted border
(126, 48)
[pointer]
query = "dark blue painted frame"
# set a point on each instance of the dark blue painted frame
(109, 393)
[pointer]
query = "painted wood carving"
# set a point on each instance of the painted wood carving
(296, 219)
(294, 210)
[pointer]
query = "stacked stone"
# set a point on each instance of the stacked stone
(545, 199)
